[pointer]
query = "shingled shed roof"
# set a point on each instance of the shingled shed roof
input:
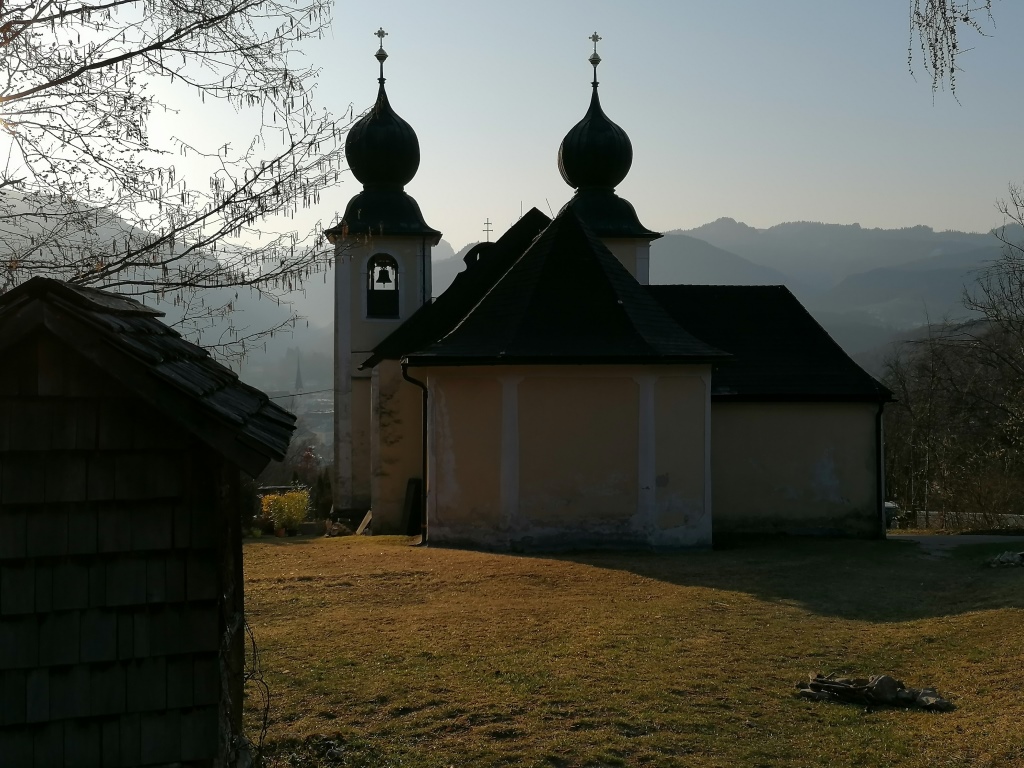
(779, 351)
(125, 338)
(485, 265)
(567, 299)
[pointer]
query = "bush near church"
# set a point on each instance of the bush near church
(287, 510)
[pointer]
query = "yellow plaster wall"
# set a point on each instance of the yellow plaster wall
(794, 468)
(577, 459)
(400, 447)
(578, 449)
(466, 449)
(679, 405)
(361, 443)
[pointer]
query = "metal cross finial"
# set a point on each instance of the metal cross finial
(381, 54)
(487, 228)
(594, 58)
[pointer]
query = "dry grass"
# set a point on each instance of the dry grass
(435, 657)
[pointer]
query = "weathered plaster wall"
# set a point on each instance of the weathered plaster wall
(578, 450)
(802, 468)
(681, 460)
(563, 456)
(466, 451)
(398, 451)
(361, 442)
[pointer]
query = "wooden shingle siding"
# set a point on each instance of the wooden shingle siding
(19, 637)
(120, 592)
(48, 531)
(70, 584)
(23, 480)
(58, 637)
(13, 529)
(198, 733)
(48, 745)
(15, 748)
(14, 697)
(98, 635)
(17, 588)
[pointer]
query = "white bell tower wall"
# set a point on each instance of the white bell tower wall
(360, 325)
(634, 254)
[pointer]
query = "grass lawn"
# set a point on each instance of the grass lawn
(407, 656)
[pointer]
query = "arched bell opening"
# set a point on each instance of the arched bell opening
(382, 290)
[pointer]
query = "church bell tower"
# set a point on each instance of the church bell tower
(382, 276)
(594, 158)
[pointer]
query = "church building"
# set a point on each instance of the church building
(552, 398)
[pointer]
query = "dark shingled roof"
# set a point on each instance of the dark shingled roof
(485, 265)
(567, 299)
(779, 351)
(154, 361)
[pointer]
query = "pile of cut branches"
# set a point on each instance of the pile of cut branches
(877, 690)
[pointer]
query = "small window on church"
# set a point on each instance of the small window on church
(382, 287)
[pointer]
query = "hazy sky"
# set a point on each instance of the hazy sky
(765, 112)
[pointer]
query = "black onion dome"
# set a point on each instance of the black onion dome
(382, 148)
(595, 152)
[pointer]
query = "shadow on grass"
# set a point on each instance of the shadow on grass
(280, 541)
(876, 581)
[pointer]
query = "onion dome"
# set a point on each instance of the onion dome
(384, 154)
(596, 152)
(382, 148)
(595, 157)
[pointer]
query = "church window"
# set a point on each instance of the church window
(382, 287)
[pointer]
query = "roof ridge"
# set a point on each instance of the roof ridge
(567, 297)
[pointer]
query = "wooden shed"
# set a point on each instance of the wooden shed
(121, 610)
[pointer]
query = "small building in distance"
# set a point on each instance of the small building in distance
(121, 611)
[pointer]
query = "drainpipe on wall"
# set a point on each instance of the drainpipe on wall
(880, 480)
(423, 449)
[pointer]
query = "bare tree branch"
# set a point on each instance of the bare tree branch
(84, 194)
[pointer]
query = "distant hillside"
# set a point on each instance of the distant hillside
(679, 259)
(822, 255)
(912, 294)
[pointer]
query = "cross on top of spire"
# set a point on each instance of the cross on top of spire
(381, 54)
(594, 58)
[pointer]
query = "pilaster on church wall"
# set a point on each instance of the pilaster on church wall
(638, 473)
